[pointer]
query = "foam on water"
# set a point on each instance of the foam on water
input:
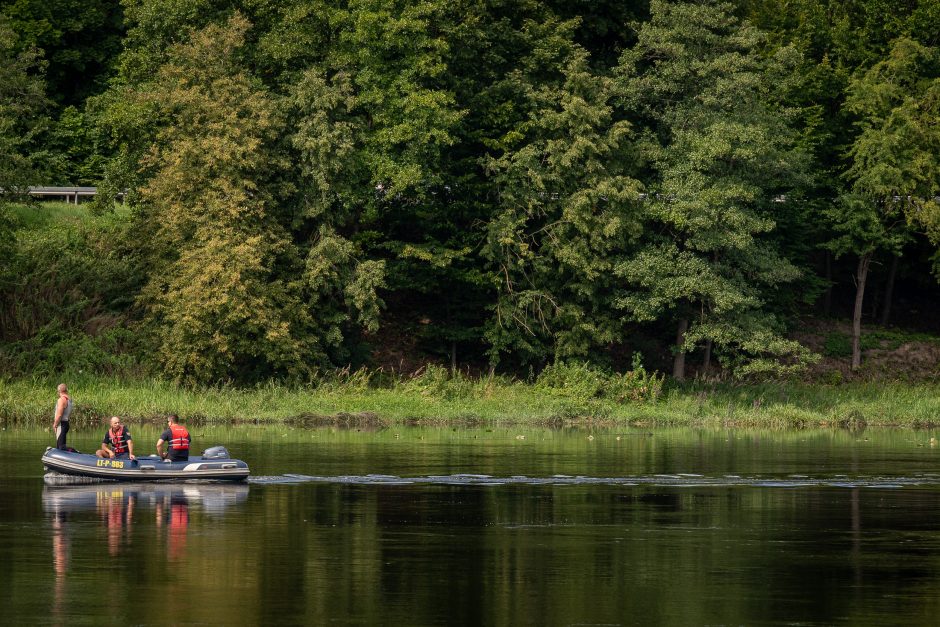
(679, 480)
(56, 478)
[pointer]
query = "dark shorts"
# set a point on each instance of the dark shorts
(178, 457)
(61, 432)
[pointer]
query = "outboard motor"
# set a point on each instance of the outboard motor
(215, 452)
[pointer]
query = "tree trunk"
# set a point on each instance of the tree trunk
(453, 358)
(889, 292)
(863, 262)
(827, 299)
(707, 360)
(678, 363)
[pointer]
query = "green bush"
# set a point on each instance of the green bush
(582, 381)
(636, 385)
(837, 345)
(64, 307)
(54, 351)
(577, 380)
(437, 382)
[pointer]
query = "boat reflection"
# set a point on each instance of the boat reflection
(116, 502)
(118, 506)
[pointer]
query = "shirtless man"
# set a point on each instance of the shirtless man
(60, 421)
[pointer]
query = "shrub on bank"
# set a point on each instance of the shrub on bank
(437, 382)
(582, 381)
(70, 284)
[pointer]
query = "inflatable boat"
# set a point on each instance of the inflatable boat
(213, 465)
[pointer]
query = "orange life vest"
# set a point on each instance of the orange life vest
(179, 438)
(117, 441)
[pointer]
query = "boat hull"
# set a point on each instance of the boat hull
(150, 468)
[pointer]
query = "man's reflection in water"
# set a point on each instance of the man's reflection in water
(114, 507)
(173, 510)
(118, 515)
(61, 552)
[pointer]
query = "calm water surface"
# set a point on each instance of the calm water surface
(495, 527)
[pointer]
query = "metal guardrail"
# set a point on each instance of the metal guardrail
(70, 194)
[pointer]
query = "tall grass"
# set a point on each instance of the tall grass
(461, 400)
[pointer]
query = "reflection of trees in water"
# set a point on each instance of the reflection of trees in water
(512, 554)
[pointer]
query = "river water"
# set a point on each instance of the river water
(412, 526)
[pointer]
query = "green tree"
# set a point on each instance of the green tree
(837, 40)
(22, 116)
(721, 158)
(125, 124)
(220, 307)
(79, 40)
(566, 211)
(603, 27)
(373, 120)
(894, 170)
(442, 268)
(23, 107)
(76, 152)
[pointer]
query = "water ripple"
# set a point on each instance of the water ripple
(679, 480)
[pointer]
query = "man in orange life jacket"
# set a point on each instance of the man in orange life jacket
(117, 442)
(177, 439)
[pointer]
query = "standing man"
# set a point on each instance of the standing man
(177, 438)
(60, 422)
(117, 442)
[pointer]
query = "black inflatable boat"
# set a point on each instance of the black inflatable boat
(213, 465)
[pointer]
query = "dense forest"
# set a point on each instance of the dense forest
(292, 186)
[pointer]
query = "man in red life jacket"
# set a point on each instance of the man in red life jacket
(117, 442)
(177, 439)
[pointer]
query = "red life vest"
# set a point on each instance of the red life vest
(179, 438)
(117, 441)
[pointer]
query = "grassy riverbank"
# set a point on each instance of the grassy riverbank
(462, 401)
